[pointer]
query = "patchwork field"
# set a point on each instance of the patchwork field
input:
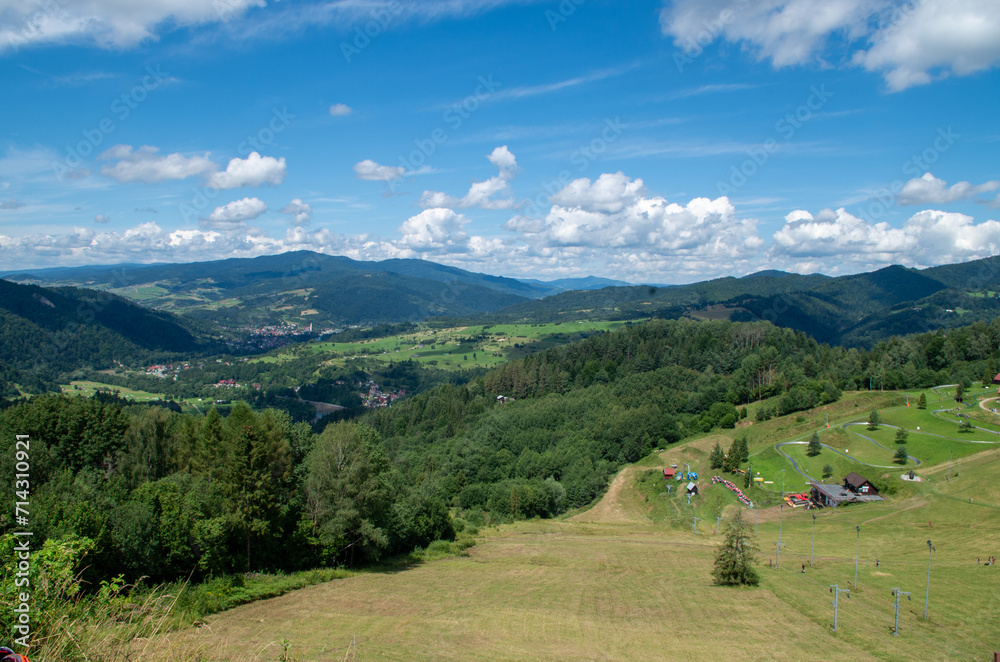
(454, 348)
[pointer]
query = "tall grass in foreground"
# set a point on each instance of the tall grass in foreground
(122, 622)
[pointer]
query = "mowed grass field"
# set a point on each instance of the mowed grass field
(629, 580)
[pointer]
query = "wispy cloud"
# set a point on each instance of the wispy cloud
(548, 88)
(712, 89)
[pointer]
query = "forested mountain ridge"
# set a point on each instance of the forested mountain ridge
(855, 310)
(303, 287)
(45, 332)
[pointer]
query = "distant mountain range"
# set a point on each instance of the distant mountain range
(305, 287)
(855, 310)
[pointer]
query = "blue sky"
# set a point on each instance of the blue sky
(647, 141)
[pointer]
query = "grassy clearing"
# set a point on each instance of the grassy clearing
(87, 389)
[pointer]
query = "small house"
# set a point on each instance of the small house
(996, 380)
(858, 484)
(692, 489)
(668, 473)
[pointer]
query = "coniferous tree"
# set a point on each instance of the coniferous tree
(744, 451)
(901, 456)
(716, 457)
(736, 557)
(922, 402)
(902, 434)
(874, 420)
(827, 470)
(815, 447)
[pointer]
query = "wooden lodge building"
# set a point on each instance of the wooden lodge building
(856, 489)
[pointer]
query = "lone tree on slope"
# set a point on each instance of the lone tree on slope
(922, 402)
(874, 420)
(901, 455)
(815, 447)
(736, 558)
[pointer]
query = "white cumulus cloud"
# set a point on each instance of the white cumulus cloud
(908, 42)
(481, 194)
(929, 190)
(373, 172)
(236, 212)
(255, 170)
(301, 212)
(340, 110)
(926, 39)
(145, 165)
(927, 238)
(435, 229)
(106, 23)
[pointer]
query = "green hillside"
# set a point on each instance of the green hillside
(51, 331)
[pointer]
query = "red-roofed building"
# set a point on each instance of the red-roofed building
(668, 473)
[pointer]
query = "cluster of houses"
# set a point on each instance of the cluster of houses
(166, 370)
(271, 336)
(373, 397)
(232, 383)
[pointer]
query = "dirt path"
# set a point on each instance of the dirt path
(610, 509)
(982, 403)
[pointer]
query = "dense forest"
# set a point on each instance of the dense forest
(163, 494)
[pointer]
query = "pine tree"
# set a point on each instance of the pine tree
(922, 402)
(736, 556)
(874, 420)
(901, 455)
(960, 391)
(716, 458)
(827, 470)
(815, 447)
(902, 434)
(744, 451)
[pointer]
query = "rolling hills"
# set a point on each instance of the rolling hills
(311, 288)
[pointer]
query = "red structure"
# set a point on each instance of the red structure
(669, 472)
